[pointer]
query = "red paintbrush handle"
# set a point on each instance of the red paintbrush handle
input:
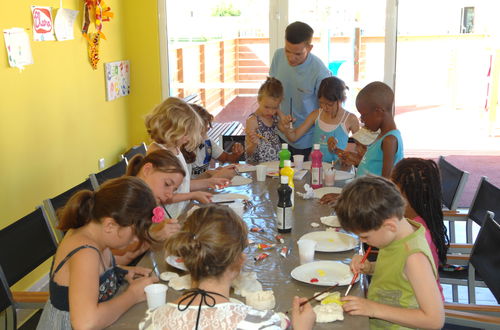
(355, 277)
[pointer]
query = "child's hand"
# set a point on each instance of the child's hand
(168, 228)
(329, 198)
(253, 136)
(332, 144)
(135, 272)
(224, 172)
(136, 287)
(237, 149)
(358, 267)
(202, 196)
(218, 183)
(302, 317)
(348, 157)
(359, 306)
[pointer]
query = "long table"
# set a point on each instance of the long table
(274, 271)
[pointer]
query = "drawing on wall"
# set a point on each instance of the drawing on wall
(63, 24)
(117, 79)
(18, 47)
(43, 28)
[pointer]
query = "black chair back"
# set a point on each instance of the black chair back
(487, 198)
(25, 245)
(111, 172)
(229, 140)
(135, 150)
(7, 302)
(485, 256)
(453, 181)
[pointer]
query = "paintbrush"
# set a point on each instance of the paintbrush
(291, 114)
(315, 296)
(355, 277)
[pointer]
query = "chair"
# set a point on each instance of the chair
(51, 205)
(138, 149)
(229, 140)
(24, 245)
(111, 172)
(482, 259)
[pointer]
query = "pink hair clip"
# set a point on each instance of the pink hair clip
(158, 214)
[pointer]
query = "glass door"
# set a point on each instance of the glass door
(218, 49)
(446, 96)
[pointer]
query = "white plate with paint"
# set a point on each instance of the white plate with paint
(320, 192)
(243, 168)
(272, 166)
(228, 197)
(325, 273)
(331, 220)
(332, 241)
(176, 262)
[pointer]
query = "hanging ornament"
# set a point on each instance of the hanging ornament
(93, 49)
(96, 12)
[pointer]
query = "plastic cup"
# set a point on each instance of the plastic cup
(261, 172)
(156, 295)
(306, 250)
(298, 162)
(329, 177)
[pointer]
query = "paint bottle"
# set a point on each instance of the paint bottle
(316, 168)
(284, 154)
(284, 209)
(288, 171)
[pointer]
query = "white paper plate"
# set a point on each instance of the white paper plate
(320, 192)
(242, 168)
(307, 165)
(229, 197)
(172, 261)
(327, 272)
(272, 165)
(332, 221)
(331, 241)
(240, 180)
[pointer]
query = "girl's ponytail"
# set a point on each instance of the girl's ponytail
(77, 212)
(134, 165)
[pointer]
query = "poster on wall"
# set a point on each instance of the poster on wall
(18, 47)
(43, 28)
(117, 79)
(63, 24)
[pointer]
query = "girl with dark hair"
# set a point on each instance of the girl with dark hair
(211, 243)
(84, 277)
(332, 123)
(420, 183)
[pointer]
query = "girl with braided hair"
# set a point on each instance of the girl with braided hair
(420, 183)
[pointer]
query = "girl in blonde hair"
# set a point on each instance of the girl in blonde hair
(173, 124)
(211, 244)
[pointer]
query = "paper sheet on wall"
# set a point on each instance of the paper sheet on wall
(43, 28)
(117, 79)
(18, 47)
(63, 24)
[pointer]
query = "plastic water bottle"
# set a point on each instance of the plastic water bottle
(284, 154)
(284, 209)
(288, 171)
(316, 168)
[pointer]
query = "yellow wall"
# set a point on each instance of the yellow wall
(55, 122)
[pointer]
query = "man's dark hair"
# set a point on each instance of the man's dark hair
(298, 32)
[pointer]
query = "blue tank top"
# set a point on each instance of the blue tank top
(373, 159)
(109, 281)
(339, 133)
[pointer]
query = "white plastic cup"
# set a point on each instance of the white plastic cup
(261, 172)
(329, 177)
(298, 162)
(156, 295)
(306, 250)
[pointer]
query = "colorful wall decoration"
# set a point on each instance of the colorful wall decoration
(117, 79)
(43, 28)
(95, 11)
(18, 47)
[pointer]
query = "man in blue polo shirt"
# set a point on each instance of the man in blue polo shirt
(300, 72)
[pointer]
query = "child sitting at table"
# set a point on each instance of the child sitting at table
(84, 278)
(211, 243)
(332, 123)
(375, 102)
(420, 183)
(171, 125)
(262, 142)
(209, 150)
(403, 290)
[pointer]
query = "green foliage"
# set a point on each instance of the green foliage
(224, 9)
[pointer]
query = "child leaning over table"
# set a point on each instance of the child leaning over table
(403, 292)
(209, 150)
(262, 142)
